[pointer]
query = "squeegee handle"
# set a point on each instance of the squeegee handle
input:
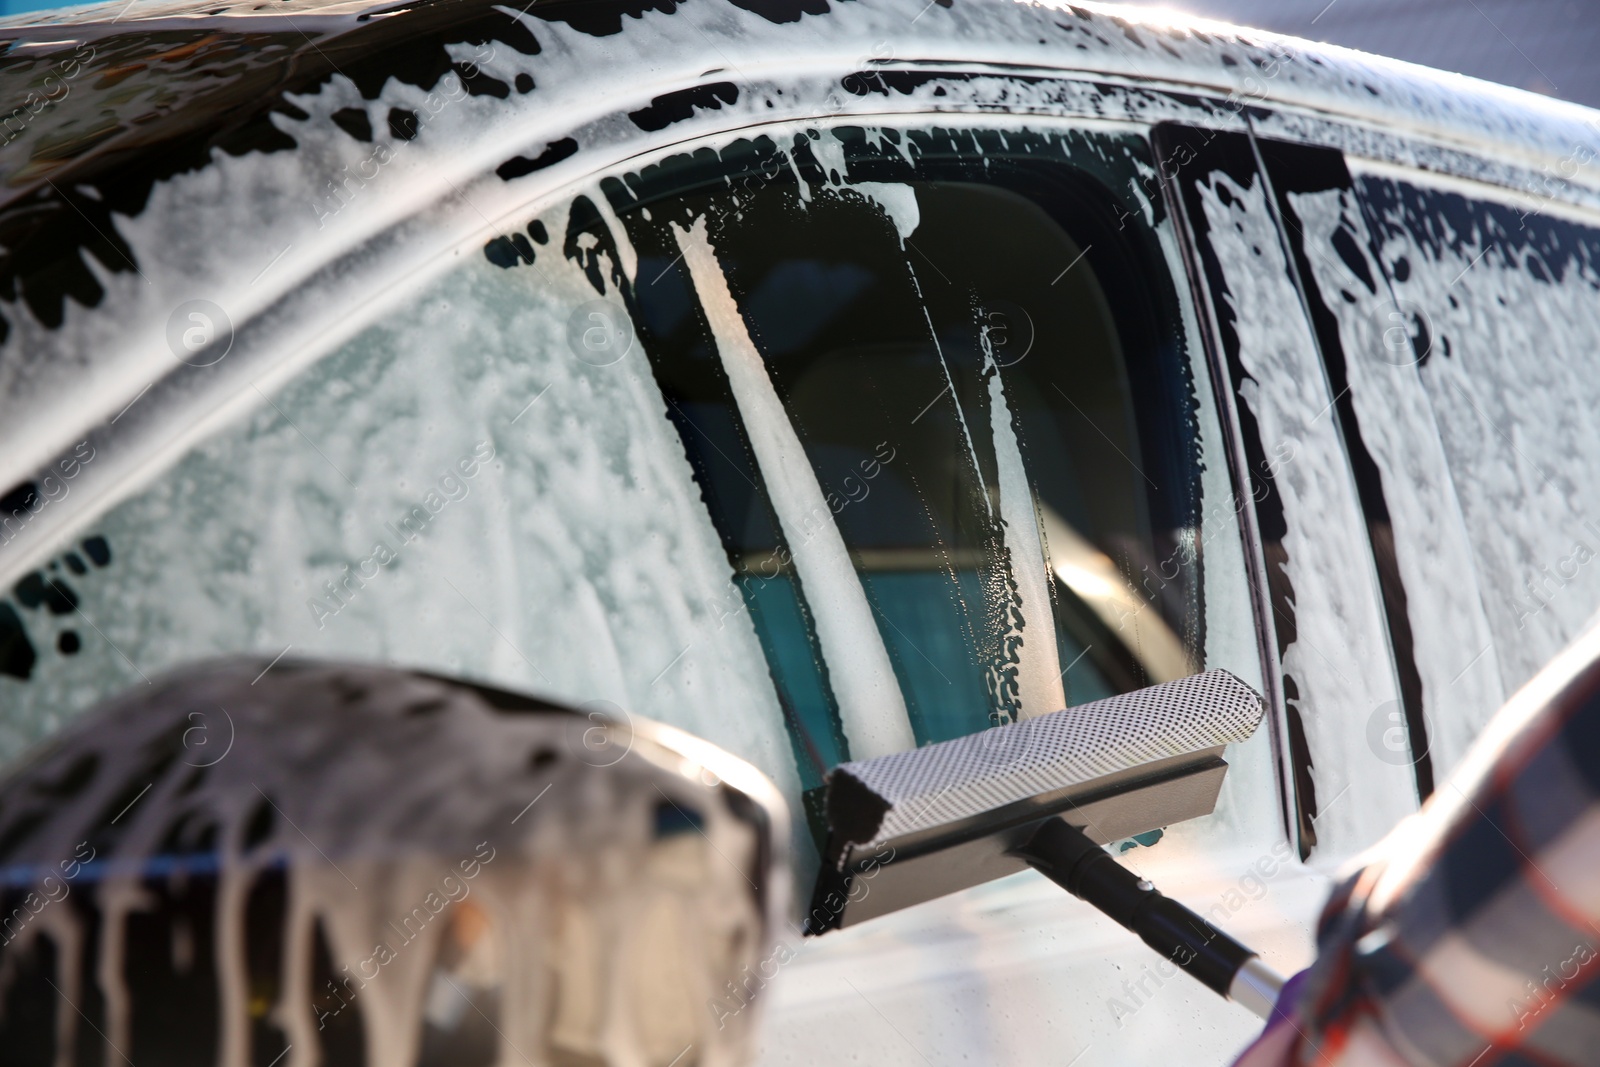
(1061, 852)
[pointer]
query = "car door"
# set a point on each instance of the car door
(819, 442)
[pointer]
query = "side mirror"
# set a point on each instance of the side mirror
(330, 864)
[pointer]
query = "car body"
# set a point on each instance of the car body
(765, 366)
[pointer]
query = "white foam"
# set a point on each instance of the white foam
(1339, 660)
(872, 709)
(1039, 662)
(1461, 685)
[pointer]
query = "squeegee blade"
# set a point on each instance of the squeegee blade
(916, 825)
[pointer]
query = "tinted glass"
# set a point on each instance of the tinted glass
(981, 368)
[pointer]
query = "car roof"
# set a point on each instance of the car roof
(162, 69)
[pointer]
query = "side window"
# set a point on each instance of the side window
(819, 449)
(944, 427)
(1375, 347)
(1326, 608)
(1504, 302)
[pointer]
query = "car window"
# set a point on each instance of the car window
(983, 448)
(816, 466)
(1374, 346)
(1327, 608)
(1501, 297)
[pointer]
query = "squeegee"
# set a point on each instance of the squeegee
(1047, 793)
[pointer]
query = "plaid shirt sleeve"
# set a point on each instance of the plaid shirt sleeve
(1470, 936)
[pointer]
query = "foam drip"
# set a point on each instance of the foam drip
(443, 848)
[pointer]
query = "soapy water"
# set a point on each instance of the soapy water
(382, 868)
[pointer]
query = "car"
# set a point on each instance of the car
(823, 379)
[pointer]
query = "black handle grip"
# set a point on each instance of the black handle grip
(1059, 851)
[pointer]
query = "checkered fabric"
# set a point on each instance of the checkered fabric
(1470, 937)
